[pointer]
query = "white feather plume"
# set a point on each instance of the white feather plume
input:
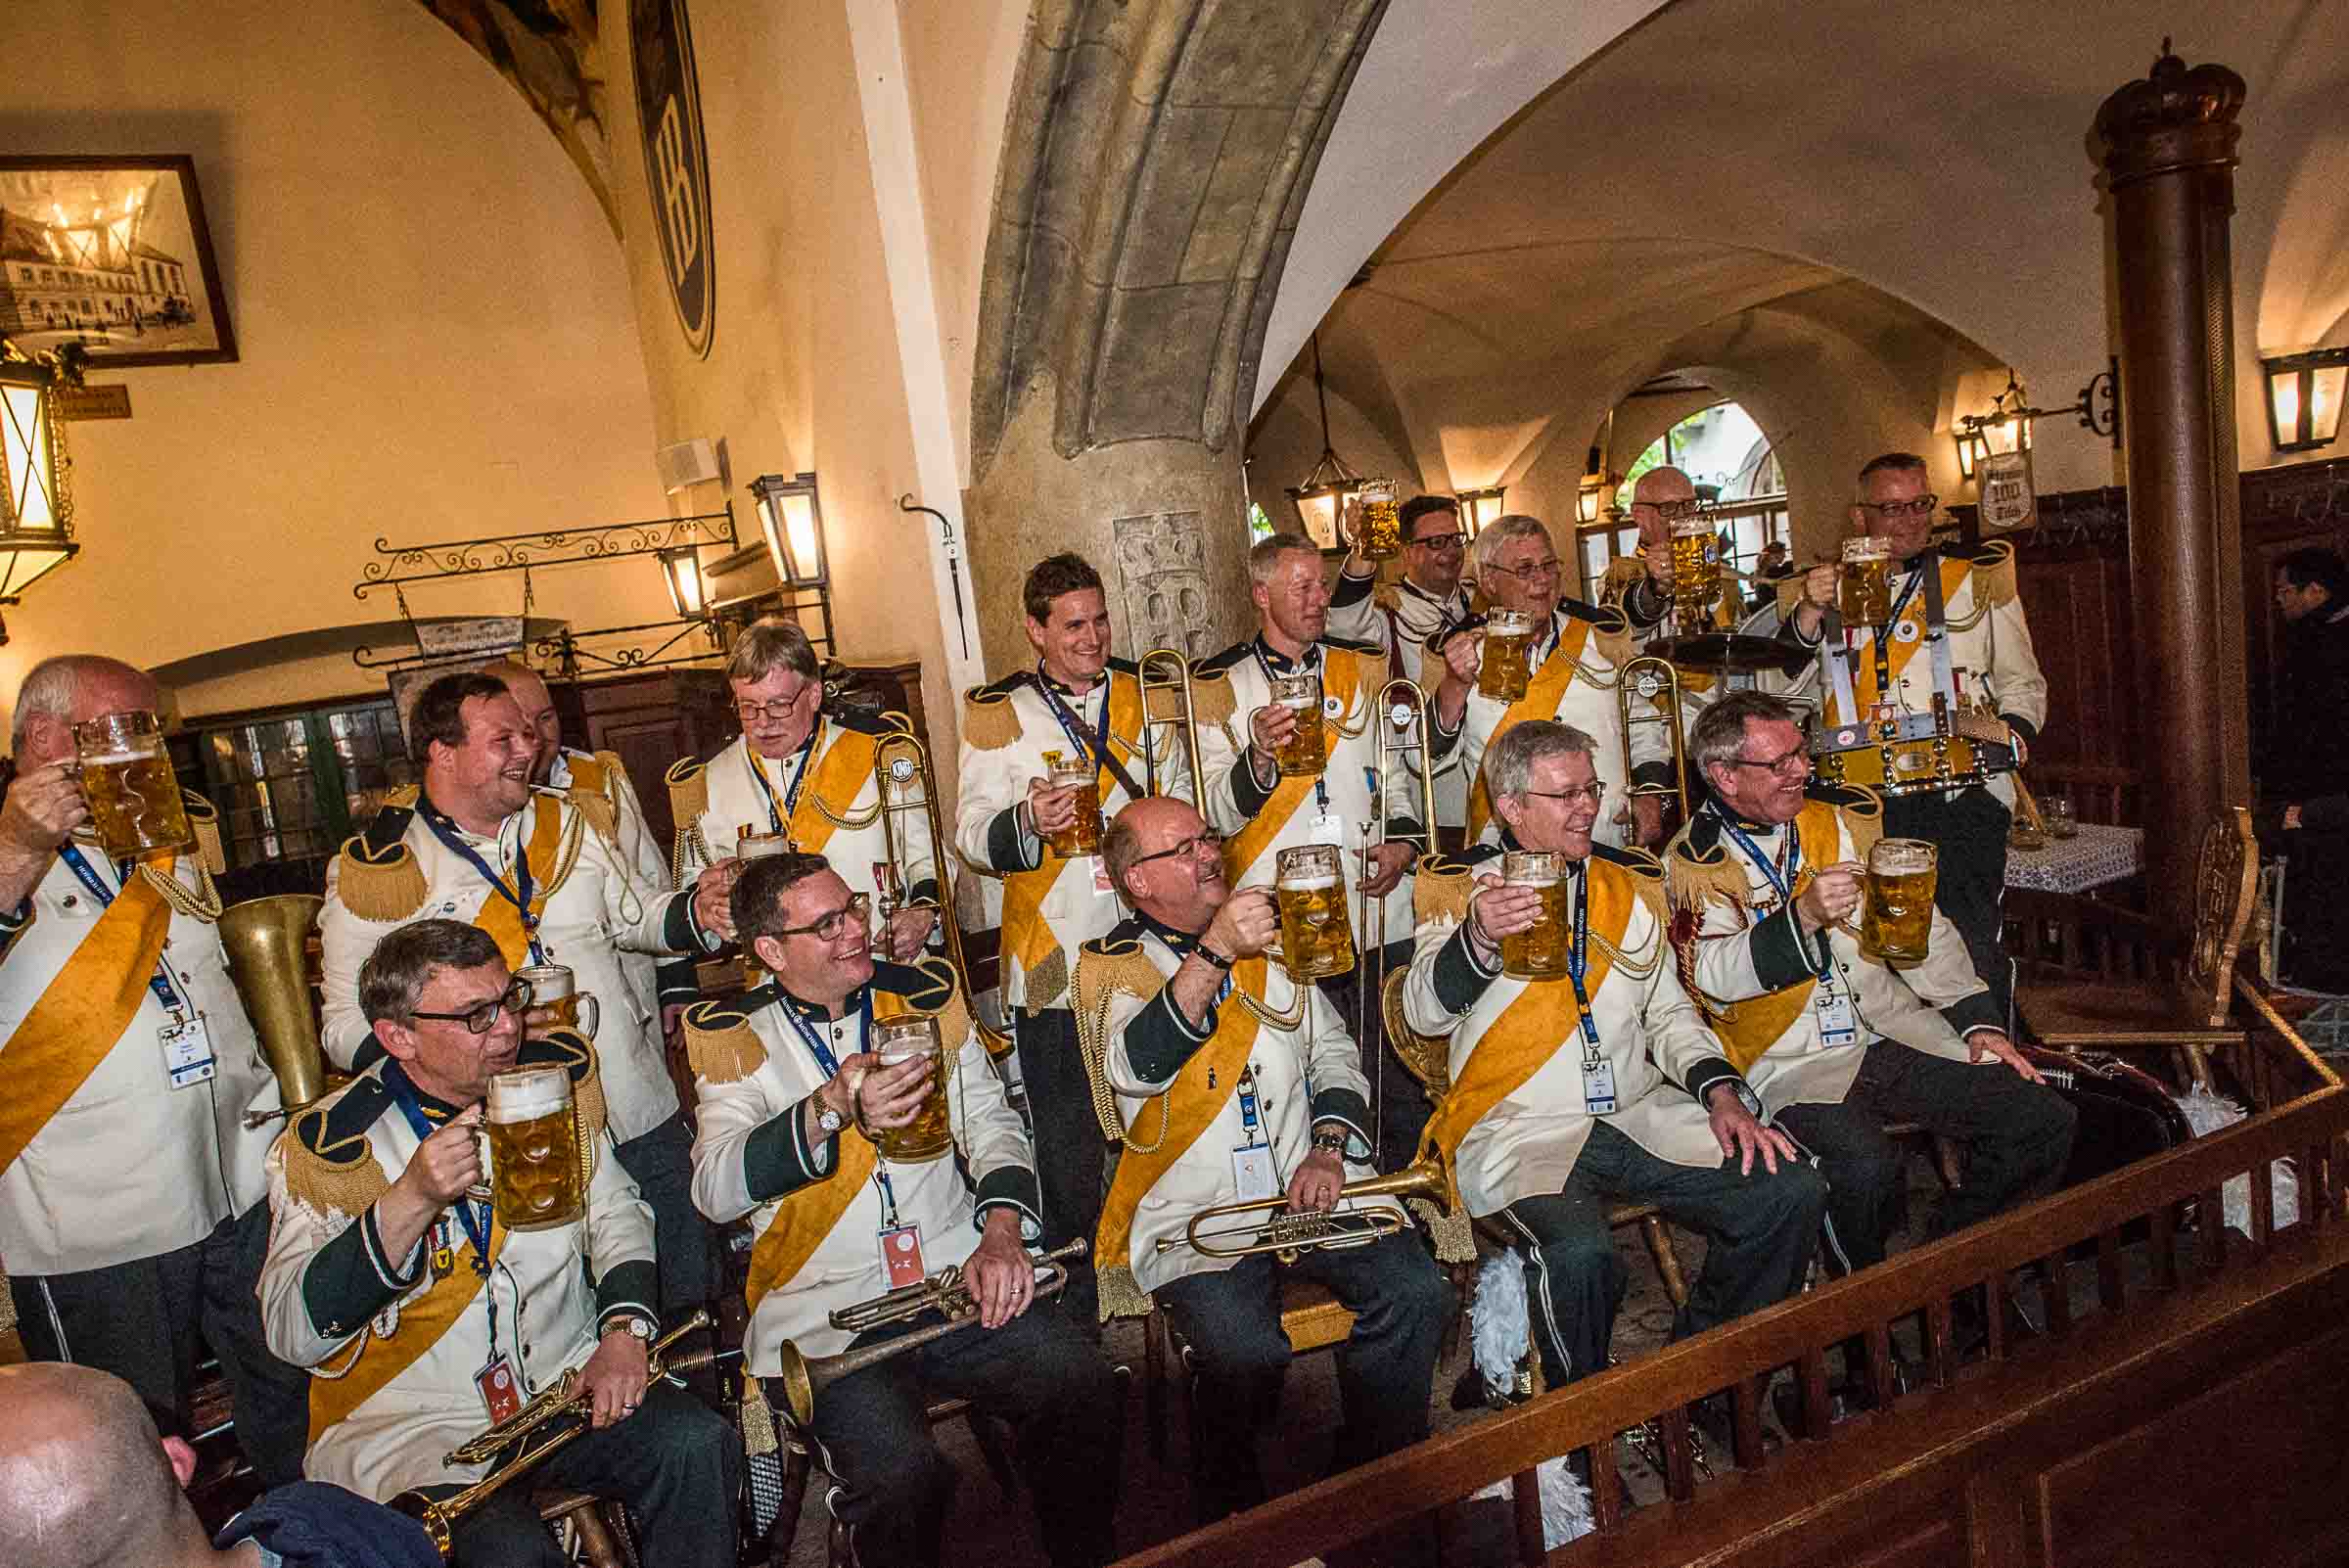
(2206, 1113)
(1499, 1323)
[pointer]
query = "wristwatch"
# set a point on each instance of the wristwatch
(828, 1120)
(637, 1326)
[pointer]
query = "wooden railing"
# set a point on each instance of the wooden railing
(2172, 1202)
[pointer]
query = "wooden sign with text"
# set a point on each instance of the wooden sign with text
(2009, 503)
(106, 401)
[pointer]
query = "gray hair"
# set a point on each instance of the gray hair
(51, 688)
(767, 645)
(1263, 557)
(1719, 734)
(392, 979)
(1500, 531)
(1121, 849)
(1509, 764)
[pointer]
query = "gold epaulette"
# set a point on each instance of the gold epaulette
(1622, 572)
(1648, 878)
(405, 794)
(1104, 967)
(1993, 579)
(688, 780)
(989, 722)
(720, 1044)
(1696, 878)
(385, 887)
(573, 1052)
(1431, 671)
(1441, 889)
(599, 813)
(1611, 634)
(1863, 818)
(1165, 702)
(333, 1174)
(942, 999)
(1212, 698)
(203, 820)
(1790, 594)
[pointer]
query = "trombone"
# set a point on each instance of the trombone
(903, 779)
(1268, 1224)
(1657, 681)
(1185, 721)
(1402, 719)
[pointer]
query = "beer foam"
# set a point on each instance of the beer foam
(116, 758)
(1536, 879)
(1309, 884)
(528, 1093)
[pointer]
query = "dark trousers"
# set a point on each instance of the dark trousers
(141, 1320)
(1399, 1109)
(1036, 1372)
(1760, 1230)
(1969, 830)
(661, 1163)
(1231, 1318)
(1068, 1148)
(2019, 1135)
(675, 1464)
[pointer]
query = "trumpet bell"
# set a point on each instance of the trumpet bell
(798, 1384)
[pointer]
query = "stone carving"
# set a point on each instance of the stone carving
(1162, 578)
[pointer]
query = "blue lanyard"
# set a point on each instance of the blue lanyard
(473, 1217)
(1916, 575)
(831, 1066)
(1781, 882)
(1247, 1092)
(1096, 749)
(778, 817)
(518, 894)
(160, 981)
(1578, 964)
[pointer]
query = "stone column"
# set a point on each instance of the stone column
(2167, 144)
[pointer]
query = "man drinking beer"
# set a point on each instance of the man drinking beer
(428, 1317)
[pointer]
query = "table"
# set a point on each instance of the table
(2096, 855)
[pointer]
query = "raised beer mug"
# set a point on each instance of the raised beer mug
(537, 1178)
(1865, 595)
(556, 989)
(1895, 921)
(1504, 672)
(1541, 950)
(1696, 573)
(753, 845)
(1309, 885)
(1378, 528)
(1065, 772)
(1307, 752)
(135, 804)
(897, 1041)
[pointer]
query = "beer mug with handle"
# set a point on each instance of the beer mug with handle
(1064, 771)
(1696, 574)
(1865, 594)
(1539, 951)
(1896, 922)
(134, 797)
(1307, 752)
(1317, 938)
(537, 1178)
(897, 1041)
(1505, 672)
(554, 988)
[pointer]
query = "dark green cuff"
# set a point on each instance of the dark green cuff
(634, 1286)
(1014, 1188)
(1459, 980)
(1159, 1040)
(1006, 849)
(679, 932)
(1781, 955)
(349, 1279)
(776, 1160)
(1244, 792)
(1978, 1011)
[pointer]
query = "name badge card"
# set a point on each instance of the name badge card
(501, 1396)
(1327, 828)
(1598, 1089)
(1838, 1023)
(1251, 1173)
(187, 1052)
(901, 1255)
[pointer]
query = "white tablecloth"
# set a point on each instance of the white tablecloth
(2097, 855)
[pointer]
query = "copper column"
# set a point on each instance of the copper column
(2167, 144)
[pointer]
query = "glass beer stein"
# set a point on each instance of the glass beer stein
(898, 1040)
(1539, 951)
(1082, 836)
(754, 845)
(1506, 670)
(1896, 922)
(536, 1180)
(1316, 939)
(556, 989)
(1865, 595)
(135, 805)
(1307, 751)
(1379, 525)
(1696, 574)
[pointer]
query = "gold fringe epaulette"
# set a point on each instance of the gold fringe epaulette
(1697, 879)
(989, 722)
(571, 1051)
(599, 813)
(1387, 598)
(688, 780)
(1993, 574)
(1611, 635)
(1104, 966)
(329, 1174)
(1166, 704)
(403, 794)
(1647, 877)
(1790, 594)
(1441, 889)
(942, 999)
(1453, 1233)
(1622, 572)
(720, 1044)
(203, 820)
(385, 888)
(1212, 698)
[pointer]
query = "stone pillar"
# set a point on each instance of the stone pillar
(2168, 149)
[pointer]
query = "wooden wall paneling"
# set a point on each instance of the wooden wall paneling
(650, 720)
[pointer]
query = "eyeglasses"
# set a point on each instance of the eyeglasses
(775, 712)
(1532, 571)
(1442, 541)
(1914, 506)
(826, 927)
(1786, 765)
(482, 1017)
(1589, 794)
(1186, 849)
(1671, 511)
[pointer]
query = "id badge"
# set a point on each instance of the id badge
(1101, 887)
(901, 1256)
(1838, 1024)
(1598, 1089)
(501, 1396)
(1327, 828)
(187, 1052)
(1251, 1173)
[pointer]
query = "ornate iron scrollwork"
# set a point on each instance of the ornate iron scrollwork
(516, 552)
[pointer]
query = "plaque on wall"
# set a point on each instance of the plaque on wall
(2009, 503)
(676, 160)
(1162, 577)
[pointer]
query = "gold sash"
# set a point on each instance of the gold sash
(497, 916)
(835, 779)
(1341, 675)
(1864, 683)
(1753, 1026)
(1027, 934)
(1541, 1021)
(1543, 694)
(589, 776)
(82, 1012)
(806, 1216)
(422, 1322)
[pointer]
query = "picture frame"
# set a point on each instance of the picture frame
(112, 253)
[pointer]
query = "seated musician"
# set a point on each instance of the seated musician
(839, 1222)
(1244, 1109)
(1569, 1095)
(424, 1319)
(1767, 880)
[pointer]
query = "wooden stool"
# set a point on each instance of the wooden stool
(1310, 1317)
(600, 1545)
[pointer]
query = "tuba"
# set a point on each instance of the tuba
(267, 940)
(902, 777)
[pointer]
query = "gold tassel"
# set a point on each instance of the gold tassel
(689, 792)
(1694, 884)
(1212, 698)
(385, 890)
(1453, 1233)
(204, 818)
(1441, 889)
(341, 1179)
(720, 1044)
(1120, 1294)
(1993, 579)
(1611, 633)
(1047, 980)
(989, 721)
(757, 1419)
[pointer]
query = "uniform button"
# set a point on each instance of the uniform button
(526, 1350)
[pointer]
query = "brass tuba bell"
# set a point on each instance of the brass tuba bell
(265, 940)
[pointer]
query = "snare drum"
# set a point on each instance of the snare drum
(1909, 753)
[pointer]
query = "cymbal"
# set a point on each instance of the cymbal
(1731, 652)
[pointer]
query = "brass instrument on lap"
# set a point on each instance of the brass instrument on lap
(1896, 753)
(1267, 1225)
(805, 1376)
(1180, 683)
(560, 1401)
(902, 777)
(265, 940)
(1659, 681)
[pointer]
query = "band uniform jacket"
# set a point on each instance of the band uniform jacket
(330, 1295)
(1303, 1076)
(1739, 941)
(1587, 702)
(600, 908)
(1234, 685)
(1400, 616)
(753, 1073)
(633, 835)
(128, 1167)
(1990, 642)
(1007, 726)
(1663, 1057)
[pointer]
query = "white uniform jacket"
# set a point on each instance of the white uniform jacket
(330, 1296)
(1990, 642)
(1303, 1076)
(600, 908)
(1739, 943)
(753, 1073)
(128, 1167)
(1663, 1058)
(1007, 726)
(1234, 685)
(1400, 616)
(603, 773)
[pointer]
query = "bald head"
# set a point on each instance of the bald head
(84, 1479)
(1660, 492)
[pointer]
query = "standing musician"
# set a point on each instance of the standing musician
(1221, 1103)
(1568, 1095)
(127, 1066)
(1083, 703)
(1835, 1042)
(1963, 599)
(425, 1320)
(792, 1099)
(542, 872)
(1575, 651)
(595, 773)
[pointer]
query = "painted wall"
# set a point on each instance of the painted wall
(1285, 442)
(436, 333)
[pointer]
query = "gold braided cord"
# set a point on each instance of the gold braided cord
(1092, 1043)
(201, 905)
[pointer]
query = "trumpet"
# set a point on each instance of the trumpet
(805, 1376)
(1658, 680)
(1186, 720)
(265, 940)
(1286, 1233)
(560, 1401)
(902, 777)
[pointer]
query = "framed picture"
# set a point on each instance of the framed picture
(112, 253)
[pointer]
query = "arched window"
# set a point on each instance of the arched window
(1731, 462)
